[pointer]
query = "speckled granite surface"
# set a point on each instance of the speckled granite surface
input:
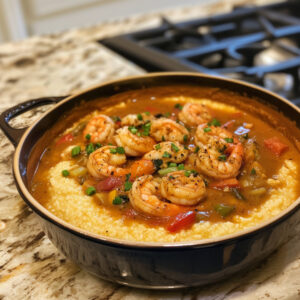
(30, 266)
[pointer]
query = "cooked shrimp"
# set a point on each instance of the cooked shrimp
(133, 144)
(209, 134)
(217, 165)
(101, 129)
(144, 196)
(103, 163)
(182, 190)
(168, 130)
(175, 153)
(136, 119)
(193, 114)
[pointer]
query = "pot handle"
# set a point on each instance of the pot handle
(15, 134)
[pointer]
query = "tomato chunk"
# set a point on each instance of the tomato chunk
(182, 221)
(65, 139)
(276, 146)
(109, 184)
(221, 184)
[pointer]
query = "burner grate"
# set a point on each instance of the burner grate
(257, 44)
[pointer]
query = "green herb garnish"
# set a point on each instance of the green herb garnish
(90, 191)
(157, 163)
(228, 140)
(222, 157)
(167, 170)
(197, 149)
(185, 138)
(117, 201)
(65, 173)
(253, 171)
(127, 186)
(140, 117)
(157, 147)
(163, 138)
(88, 136)
(166, 154)
(133, 129)
(237, 194)
(147, 113)
(113, 150)
(178, 106)
(75, 151)
(171, 164)
(97, 146)
(174, 147)
(116, 119)
(187, 173)
(207, 129)
(180, 167)
(120, 150)
(224, 210)
(214, 122)
(89, 148)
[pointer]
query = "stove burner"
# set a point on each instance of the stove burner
(257, 44)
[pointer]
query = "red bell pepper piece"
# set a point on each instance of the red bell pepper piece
(221, 184)
(65, 139)
(276, 146)
(182, 221)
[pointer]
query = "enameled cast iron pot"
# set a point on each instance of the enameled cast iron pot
(139, 264)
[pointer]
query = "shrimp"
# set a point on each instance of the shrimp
(101, 128)
(133, 144)
(103, 163)
(165, 129)
(193, 114)
(209, 134)
(144, 197)
(176, 153)
(136, 119)
(183, 190)
(212, 163)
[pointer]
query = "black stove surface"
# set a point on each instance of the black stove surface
(259, 44)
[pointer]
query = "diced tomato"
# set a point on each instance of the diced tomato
(228, 125)
(221, 184)
(65, 139)
(182, 221)
(141, 167)
(276, 146)
(109, 184)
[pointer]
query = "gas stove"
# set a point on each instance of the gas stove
(258, 44)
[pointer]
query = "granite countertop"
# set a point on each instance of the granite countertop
(30, 266)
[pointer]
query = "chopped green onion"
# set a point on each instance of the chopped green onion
(132, 129)
(207, 129)
(172, 164)
(221, 150)
(117, 201)
(157, 163)
(178, 106)
(166, 154)
(237, 194)
(171, 177)
(147, 113)
(224, 210)
(253, 171)
(139, 134)
(127, 186)
(120, 150)
(75, 151)
(167, 170)
(146, 128)
(90, 191)
(197, 149)
(88, 136)
(163, 138)
(157, 147)
(116, 119)
(65, 173)
(222, 157)
(97, 146)
(185, 138)
(214, 122)
(89, 148)
(180, 167)
(140, 117)
(113, 150)
(174, 147)
(187, 173)
(228, 140)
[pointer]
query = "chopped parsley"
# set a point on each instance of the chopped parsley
(214, 122)
(97, 146)
(88, 136)
(222, 157)
(65, 173)
(207, 129)
(157, 163)
(117, 201)
(174, 147)
(90, 191)
(127, 186)
(178, 106)
(75, 151)
(89, 148)
(166, 154)
(228, 140)
(140, 117)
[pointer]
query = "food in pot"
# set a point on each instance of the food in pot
(169, 164)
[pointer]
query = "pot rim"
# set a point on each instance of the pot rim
(44, 213)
